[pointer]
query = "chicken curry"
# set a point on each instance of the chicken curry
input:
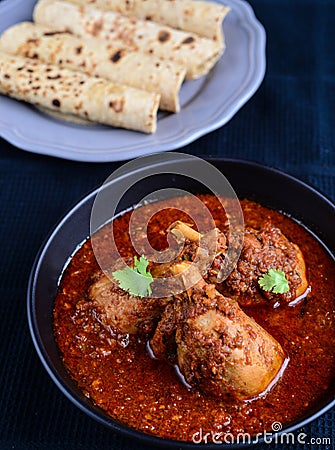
(223, 356)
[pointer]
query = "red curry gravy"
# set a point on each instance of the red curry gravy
(117, 373)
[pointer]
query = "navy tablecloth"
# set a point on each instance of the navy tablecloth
(289, 124)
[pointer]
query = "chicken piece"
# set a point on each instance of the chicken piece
(123, 312)
(266, 249)
(163, 342)
(262, 250)
(220, 350)
(206, 250)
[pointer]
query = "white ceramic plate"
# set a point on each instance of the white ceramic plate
(207, 103)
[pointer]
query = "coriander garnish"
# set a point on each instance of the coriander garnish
(135, 280)
(275, 281)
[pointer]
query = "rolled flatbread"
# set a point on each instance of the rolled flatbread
(97, 58)
(70, 92)
(196, 53)
(200, 17)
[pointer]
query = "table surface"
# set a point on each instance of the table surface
(289, 124)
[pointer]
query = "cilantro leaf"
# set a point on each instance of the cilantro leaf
(135, 280)
(275, 281)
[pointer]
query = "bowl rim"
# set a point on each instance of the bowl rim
(102, 417)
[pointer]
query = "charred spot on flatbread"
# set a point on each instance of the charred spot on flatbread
(33, 41)
(53, 33)
(117, 105)
(164, 36)
(56, 102)
(97, 26)
(55, 77)
(116, 56)
(188, 40)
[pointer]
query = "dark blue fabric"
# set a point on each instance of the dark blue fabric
(289, 124)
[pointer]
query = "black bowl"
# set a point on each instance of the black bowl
(268, 186)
